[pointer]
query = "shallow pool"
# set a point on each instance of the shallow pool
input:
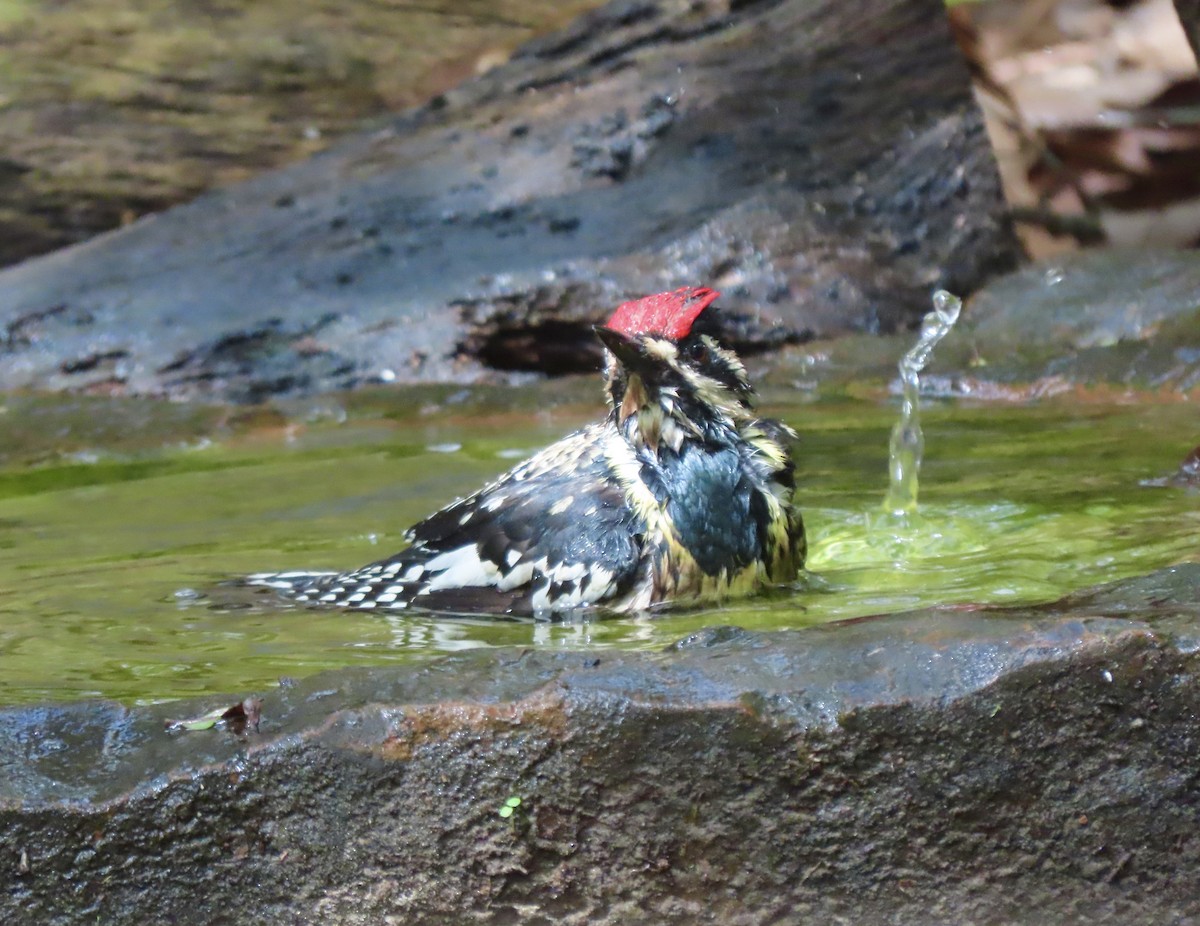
(109, 552)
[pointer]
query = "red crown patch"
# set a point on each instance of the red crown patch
(669, 314)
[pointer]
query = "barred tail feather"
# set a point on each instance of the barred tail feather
(289, 582)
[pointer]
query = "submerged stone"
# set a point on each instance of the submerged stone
(961, 765)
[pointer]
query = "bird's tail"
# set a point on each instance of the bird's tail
(291, 583)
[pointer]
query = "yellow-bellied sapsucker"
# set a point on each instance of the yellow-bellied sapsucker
(681, 494)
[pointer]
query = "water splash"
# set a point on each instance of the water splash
(907, 444)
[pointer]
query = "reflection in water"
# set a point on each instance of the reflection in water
(576, 633)
(428, 633)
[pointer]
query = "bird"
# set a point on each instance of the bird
(681, 495)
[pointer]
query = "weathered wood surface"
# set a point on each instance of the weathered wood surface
(823, 164)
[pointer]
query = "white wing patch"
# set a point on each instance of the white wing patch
(460, 568)
(517, 577)
(563, 580)
(562, 504)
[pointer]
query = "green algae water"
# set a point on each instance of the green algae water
(110, 552)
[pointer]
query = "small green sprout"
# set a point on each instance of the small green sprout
(509, 806)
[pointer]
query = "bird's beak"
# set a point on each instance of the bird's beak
(627, 351)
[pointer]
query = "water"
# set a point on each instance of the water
(907, 443)
(99, 547)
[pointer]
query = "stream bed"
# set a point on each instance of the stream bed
(111, 554)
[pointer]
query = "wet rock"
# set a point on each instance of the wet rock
(824, 166)
(1085, 300)
(957, 765)
(256, 363)
(1096, 324)
(1124, 317)
(612, 146)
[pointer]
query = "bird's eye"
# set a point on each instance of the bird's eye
(698, 351)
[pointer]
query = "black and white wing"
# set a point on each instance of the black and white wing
(554, 534)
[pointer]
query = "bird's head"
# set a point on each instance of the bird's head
(668, 378)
